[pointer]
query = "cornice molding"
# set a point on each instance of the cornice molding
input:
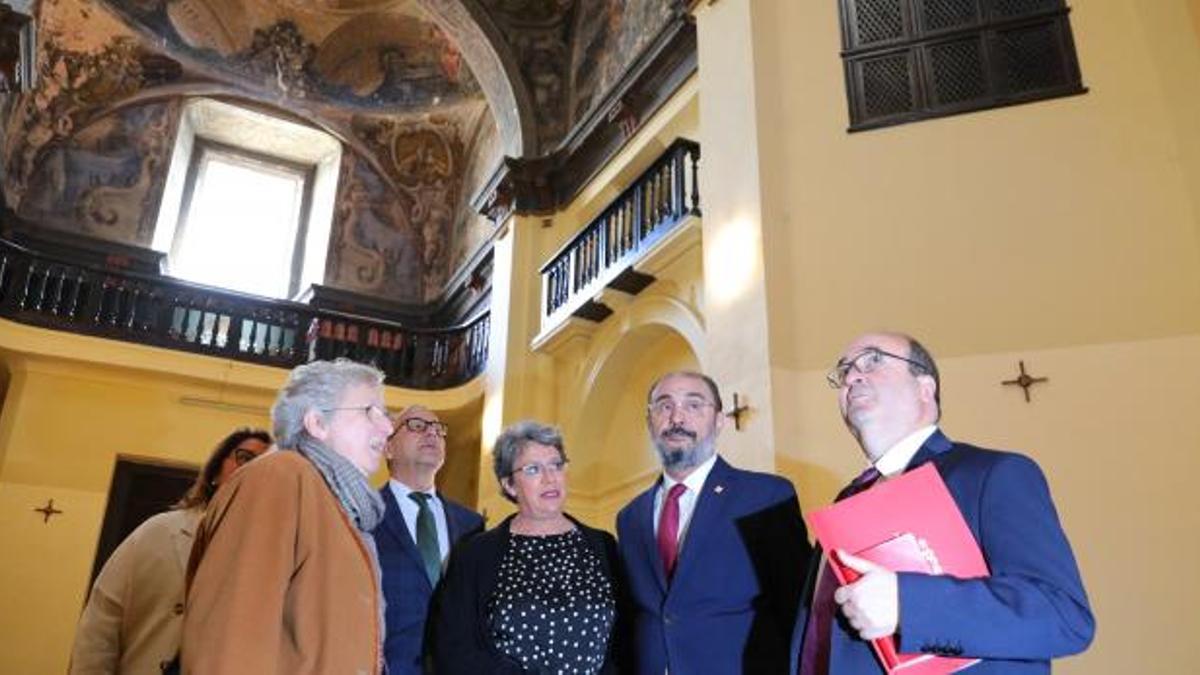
(543, 185)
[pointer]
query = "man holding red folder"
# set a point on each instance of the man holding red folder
(1031, 609)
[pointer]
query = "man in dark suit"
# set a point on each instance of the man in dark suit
(418, 530)
(1031, 609)
(713, 555)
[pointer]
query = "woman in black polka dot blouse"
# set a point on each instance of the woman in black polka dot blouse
(539, 593)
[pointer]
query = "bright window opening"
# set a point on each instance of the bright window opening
(242, 224)
(248, 202)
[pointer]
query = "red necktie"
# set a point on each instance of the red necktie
(668, 529)
(814, 654)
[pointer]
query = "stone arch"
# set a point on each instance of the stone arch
(611, 456)
(495, 68)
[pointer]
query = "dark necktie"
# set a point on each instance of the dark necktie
(427, 538)
(814, 655)
(668, 529)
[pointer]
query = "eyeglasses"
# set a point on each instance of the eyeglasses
(866, 361)
(692, 407)
(373, 412)
(536, 469)
(242, 456)
(420, 426)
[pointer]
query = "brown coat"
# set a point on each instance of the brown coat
(279, 580)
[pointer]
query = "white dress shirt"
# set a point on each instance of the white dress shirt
(896, 459)
(687, 501)
(409, 509)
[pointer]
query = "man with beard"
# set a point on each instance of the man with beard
(419, 528)
(714, 556)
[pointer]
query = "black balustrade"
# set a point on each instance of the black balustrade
(169, 313)
(658, 200)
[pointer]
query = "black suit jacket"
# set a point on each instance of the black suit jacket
(459, 631)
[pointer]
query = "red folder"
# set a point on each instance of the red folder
(907, 524)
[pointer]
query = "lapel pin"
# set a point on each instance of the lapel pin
(719, 489)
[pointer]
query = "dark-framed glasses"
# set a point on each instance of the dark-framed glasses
(242, 456)
(536, 469)
(866, 361)
(420, 426)
(692, 407)
(374, 413)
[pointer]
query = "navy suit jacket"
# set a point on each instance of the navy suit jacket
(732, 602)
(1031, 609)
(406, 587)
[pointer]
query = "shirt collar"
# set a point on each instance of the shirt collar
(402, 491)
(695, 479)
(899, 455)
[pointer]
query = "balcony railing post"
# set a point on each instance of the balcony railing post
(678, 170)
(694, 155)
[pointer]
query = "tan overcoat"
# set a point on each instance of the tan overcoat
(279, 580)
(134, 614)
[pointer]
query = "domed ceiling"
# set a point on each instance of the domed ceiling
(427, 97)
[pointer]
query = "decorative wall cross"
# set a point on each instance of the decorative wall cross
(737, 411)
(48, 510)
(1025, 380)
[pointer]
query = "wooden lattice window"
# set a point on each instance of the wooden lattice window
(908, 60)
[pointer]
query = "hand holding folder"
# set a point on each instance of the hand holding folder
(907, 524)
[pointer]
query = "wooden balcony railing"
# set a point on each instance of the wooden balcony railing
(164, 312)
(658, 200)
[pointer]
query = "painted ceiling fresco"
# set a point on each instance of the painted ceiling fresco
(375, 55)
(572, 51)
(395, 80)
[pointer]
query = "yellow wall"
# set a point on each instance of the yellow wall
(1114, 430)
(1063, 232)
(1051, 224)
(590, 380)
(73, 405)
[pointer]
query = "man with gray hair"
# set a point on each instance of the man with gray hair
(284, 576)
(714, 555)
(419, 528)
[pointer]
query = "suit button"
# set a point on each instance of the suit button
(178, 608)
(668, 619)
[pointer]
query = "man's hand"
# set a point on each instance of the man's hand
(871, 604)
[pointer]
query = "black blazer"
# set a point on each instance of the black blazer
(459, 614)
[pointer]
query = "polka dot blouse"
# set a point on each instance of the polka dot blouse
(553, 608)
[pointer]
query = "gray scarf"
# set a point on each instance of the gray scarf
(362, 503)
(349, 485)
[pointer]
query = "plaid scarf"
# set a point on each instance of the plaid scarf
(349, 485)
(362, 503)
